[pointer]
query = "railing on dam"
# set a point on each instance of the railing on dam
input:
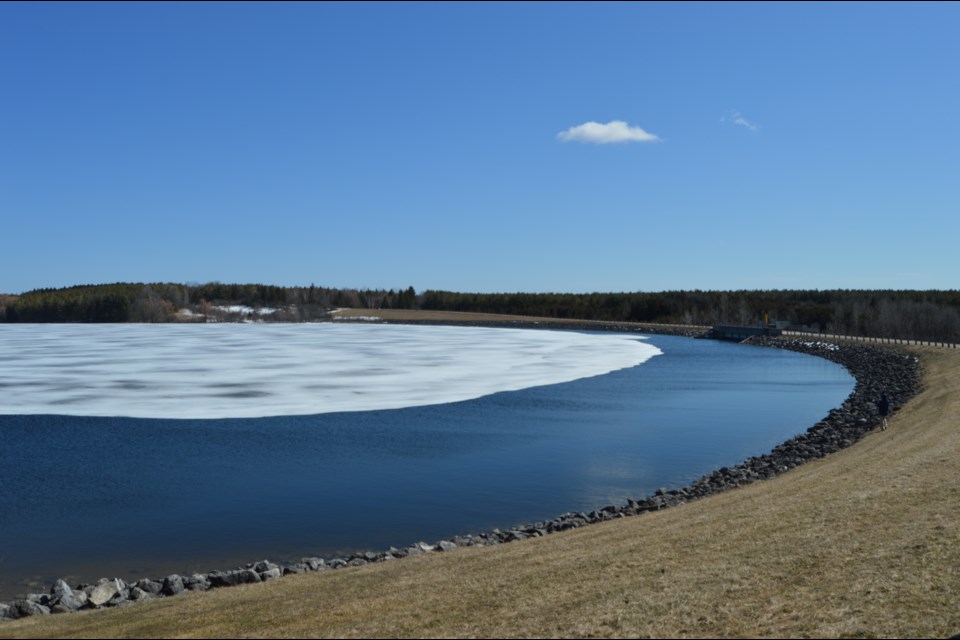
(813, 335)
(738, 333)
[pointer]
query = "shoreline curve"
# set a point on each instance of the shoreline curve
(876, 369)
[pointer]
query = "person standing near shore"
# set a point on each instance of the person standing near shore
(883, 408)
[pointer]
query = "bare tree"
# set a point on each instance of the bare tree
(150, 307)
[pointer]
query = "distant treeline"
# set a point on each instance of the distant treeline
(923, 315)
(161, 302)
(926, 315)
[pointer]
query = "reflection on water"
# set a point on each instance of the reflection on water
(88, 497)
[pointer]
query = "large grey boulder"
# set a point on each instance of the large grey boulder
(105, 592)
(26, 608)
(296, 568)
(270, 574)
(267, 570)
(264, 565)
(315, 564)
(119, 602)
(64, 598)
(137, 594)
(150, 586)
(231, 578)
(172, 585)
(196, 582)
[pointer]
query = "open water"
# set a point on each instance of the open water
(90, 496)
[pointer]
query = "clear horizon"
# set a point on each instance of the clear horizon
(514, 147)
(499, 292)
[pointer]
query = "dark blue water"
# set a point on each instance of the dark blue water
(90, 497)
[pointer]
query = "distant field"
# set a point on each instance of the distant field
(413, 315)
(863, 543)
(435, 316)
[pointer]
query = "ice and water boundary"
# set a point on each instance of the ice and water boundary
(876, 370)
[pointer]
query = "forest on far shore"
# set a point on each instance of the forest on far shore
(920, 315)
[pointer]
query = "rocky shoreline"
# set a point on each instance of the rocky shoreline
(877, 370)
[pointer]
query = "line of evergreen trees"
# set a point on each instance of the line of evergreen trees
(160, 302)
(924, 315)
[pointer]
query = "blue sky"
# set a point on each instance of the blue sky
(450, 146)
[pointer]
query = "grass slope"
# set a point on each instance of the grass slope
(862, 543)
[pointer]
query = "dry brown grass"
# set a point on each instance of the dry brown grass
(416, 315)
(863, 543)
(406, 315)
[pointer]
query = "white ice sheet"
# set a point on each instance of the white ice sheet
(244, 370)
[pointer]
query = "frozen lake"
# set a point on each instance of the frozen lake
(258, 370)
(91, 496)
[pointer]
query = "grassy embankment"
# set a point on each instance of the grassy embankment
(411, 315)
(406, 315)
(862, 543)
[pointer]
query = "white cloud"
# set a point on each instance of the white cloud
(613, 131)
(737, 118)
